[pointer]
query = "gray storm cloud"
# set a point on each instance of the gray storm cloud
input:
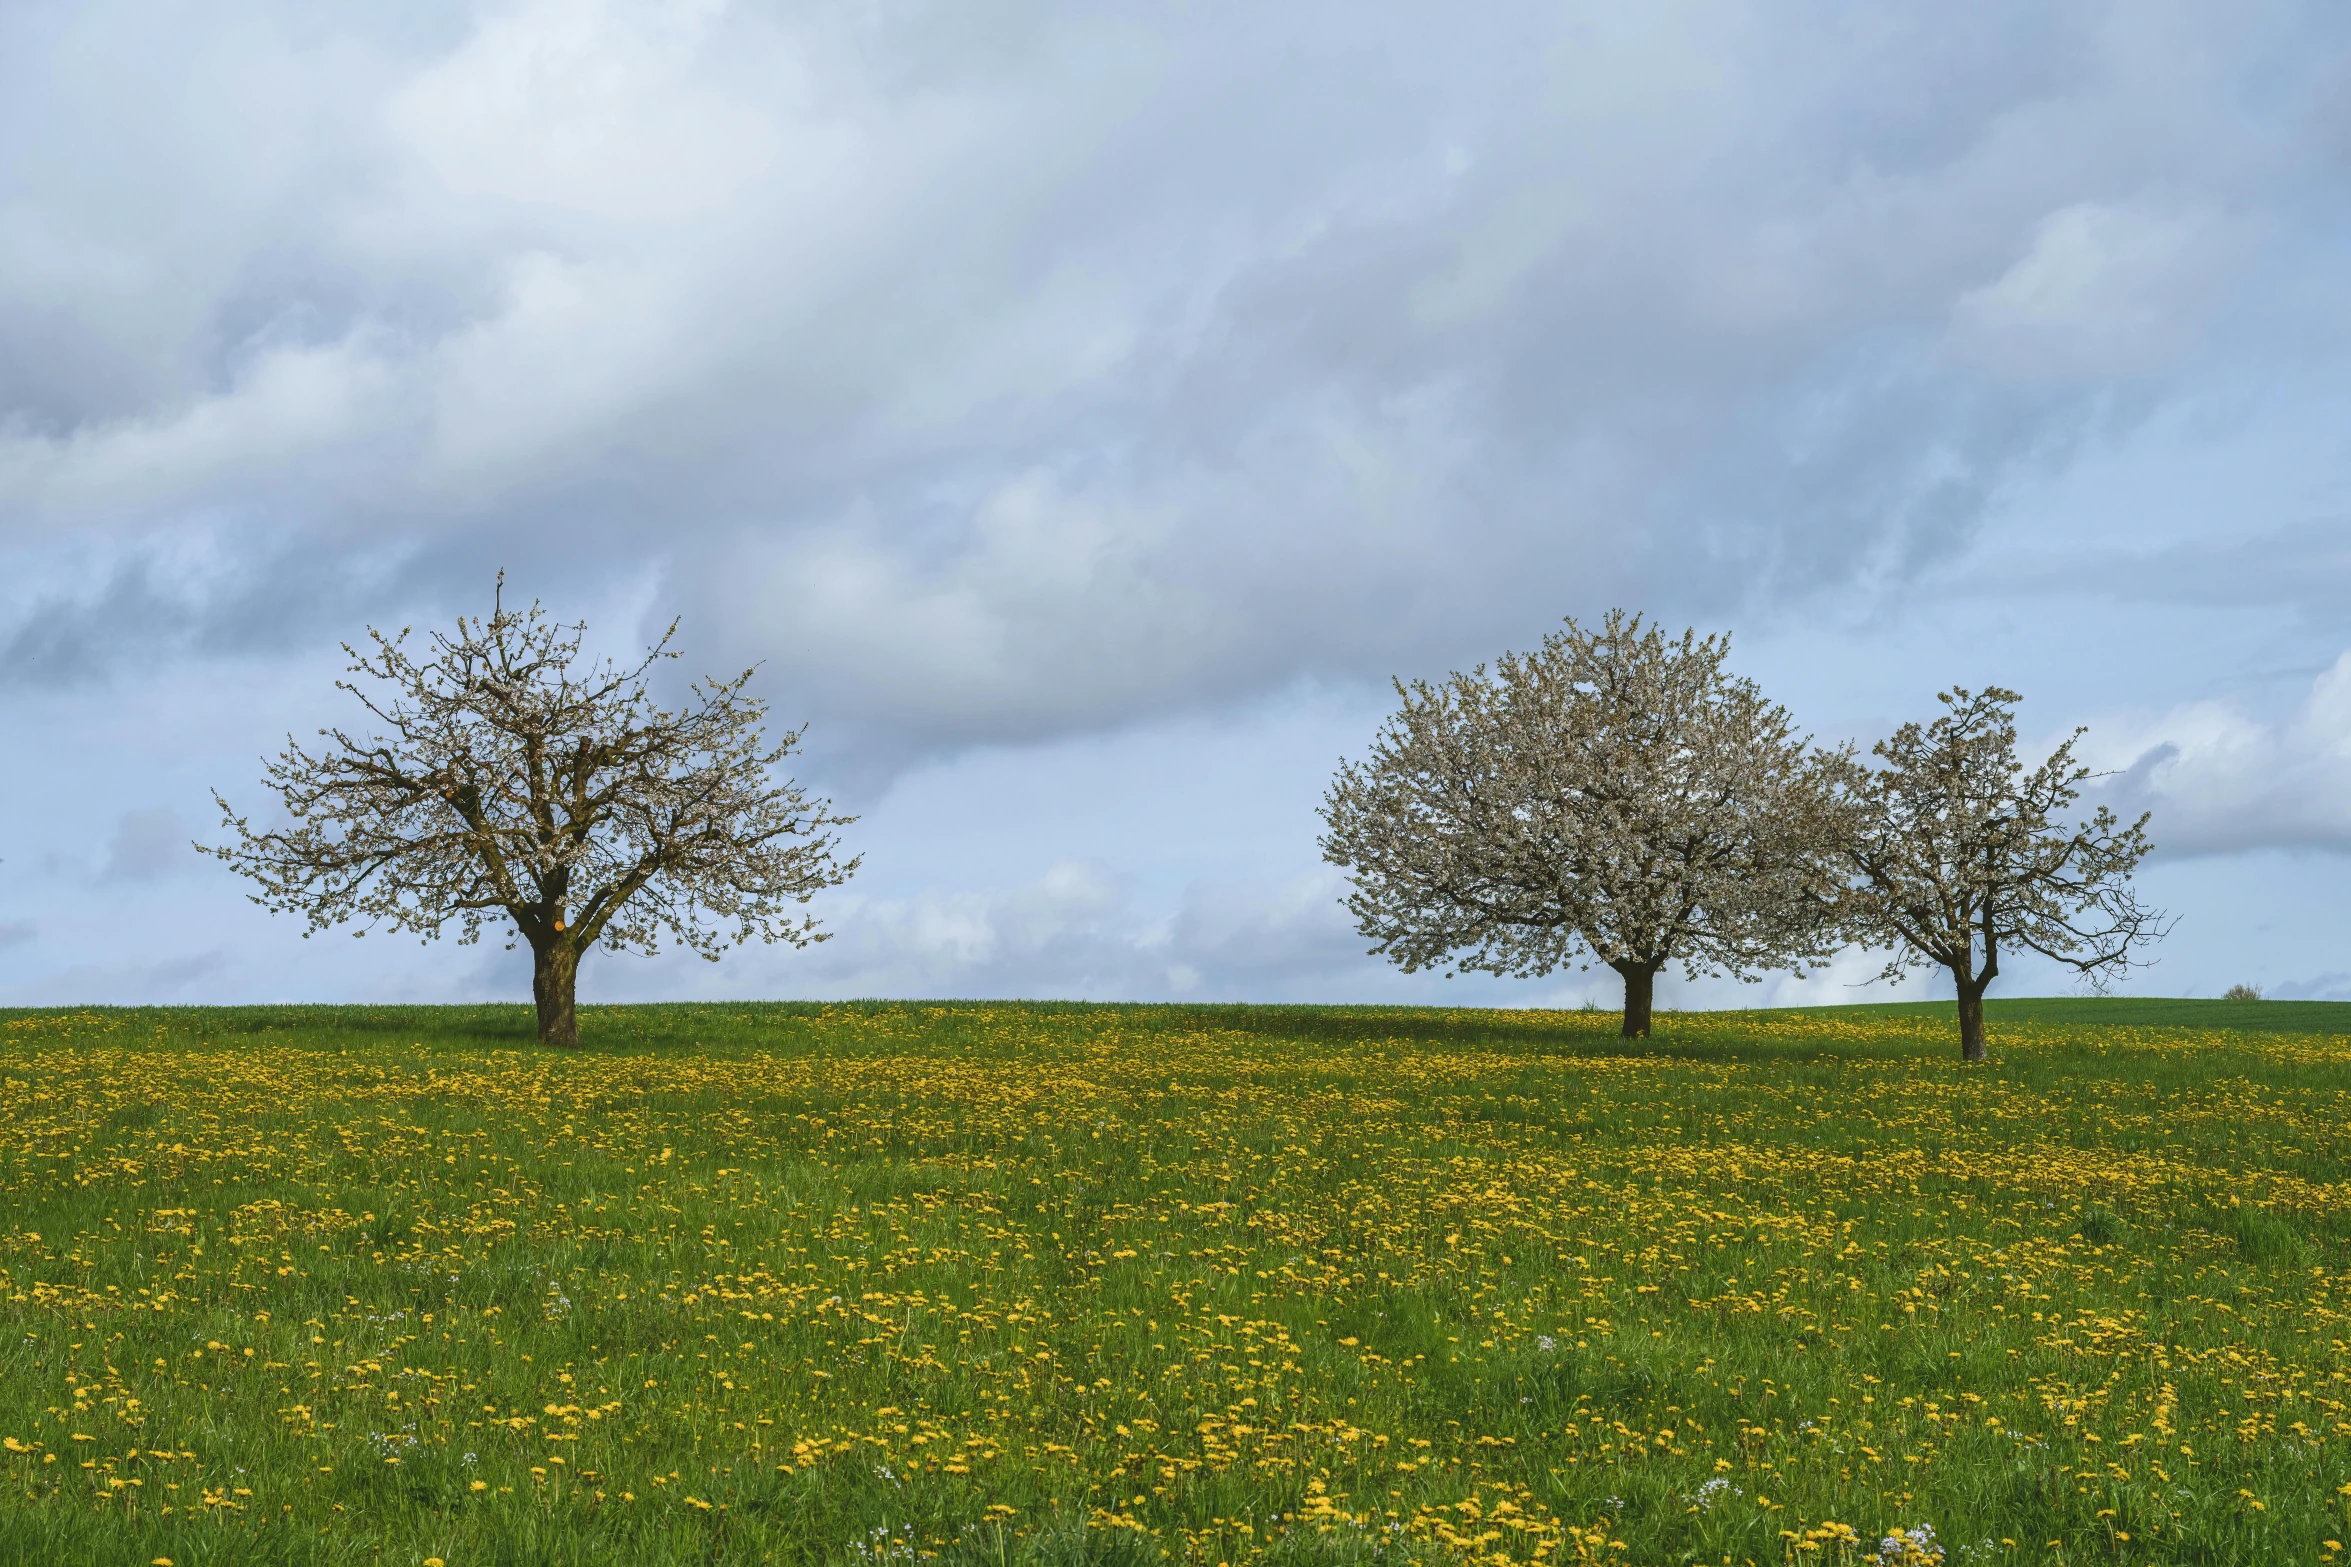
(999, 372)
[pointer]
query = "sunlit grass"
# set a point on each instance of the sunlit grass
(1003, 1283)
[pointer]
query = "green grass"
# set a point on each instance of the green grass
(2273, 1017)
(1058, 1284)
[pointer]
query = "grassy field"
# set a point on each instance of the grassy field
(1005, 1284)
(2263, 1017)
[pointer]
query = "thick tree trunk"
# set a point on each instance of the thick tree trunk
(555, 975)
(1971, 1017)
(1640, 986)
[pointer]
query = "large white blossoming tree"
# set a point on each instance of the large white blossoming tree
(1616, 796)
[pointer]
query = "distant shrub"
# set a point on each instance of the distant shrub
(2241, 993)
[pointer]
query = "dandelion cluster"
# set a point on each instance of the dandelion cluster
(1003, 1283)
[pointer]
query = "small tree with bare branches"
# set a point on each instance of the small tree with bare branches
(514, 777)
(1617, 796)
(1959, 854)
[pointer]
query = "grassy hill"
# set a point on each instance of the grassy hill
(989, 1283)
(2278, 1017)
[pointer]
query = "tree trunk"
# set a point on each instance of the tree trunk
(1640, 985)
(555, 975)
(1971, 1017)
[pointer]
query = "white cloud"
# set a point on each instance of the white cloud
(2218, 780)
(1021, 373)
(1086, 931)
(283, 408)
(604, 110)
(2104, 291)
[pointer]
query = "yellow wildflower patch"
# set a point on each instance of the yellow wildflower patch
(1216, 1285)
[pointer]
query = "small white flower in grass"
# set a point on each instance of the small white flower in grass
(1910, 1548)
(1713, 1491)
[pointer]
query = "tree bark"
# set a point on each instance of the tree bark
(555, 974)
(1640, 986)
(1971, 1016)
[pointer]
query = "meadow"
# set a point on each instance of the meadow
(1060, 1284)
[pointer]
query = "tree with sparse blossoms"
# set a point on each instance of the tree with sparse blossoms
(1617, 796)
(508, 775)
(1961, 854)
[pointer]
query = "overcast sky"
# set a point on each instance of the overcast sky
(1082, 412)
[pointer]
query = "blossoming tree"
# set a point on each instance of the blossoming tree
(510, 776)
(1959, 853)
(1616, 796)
